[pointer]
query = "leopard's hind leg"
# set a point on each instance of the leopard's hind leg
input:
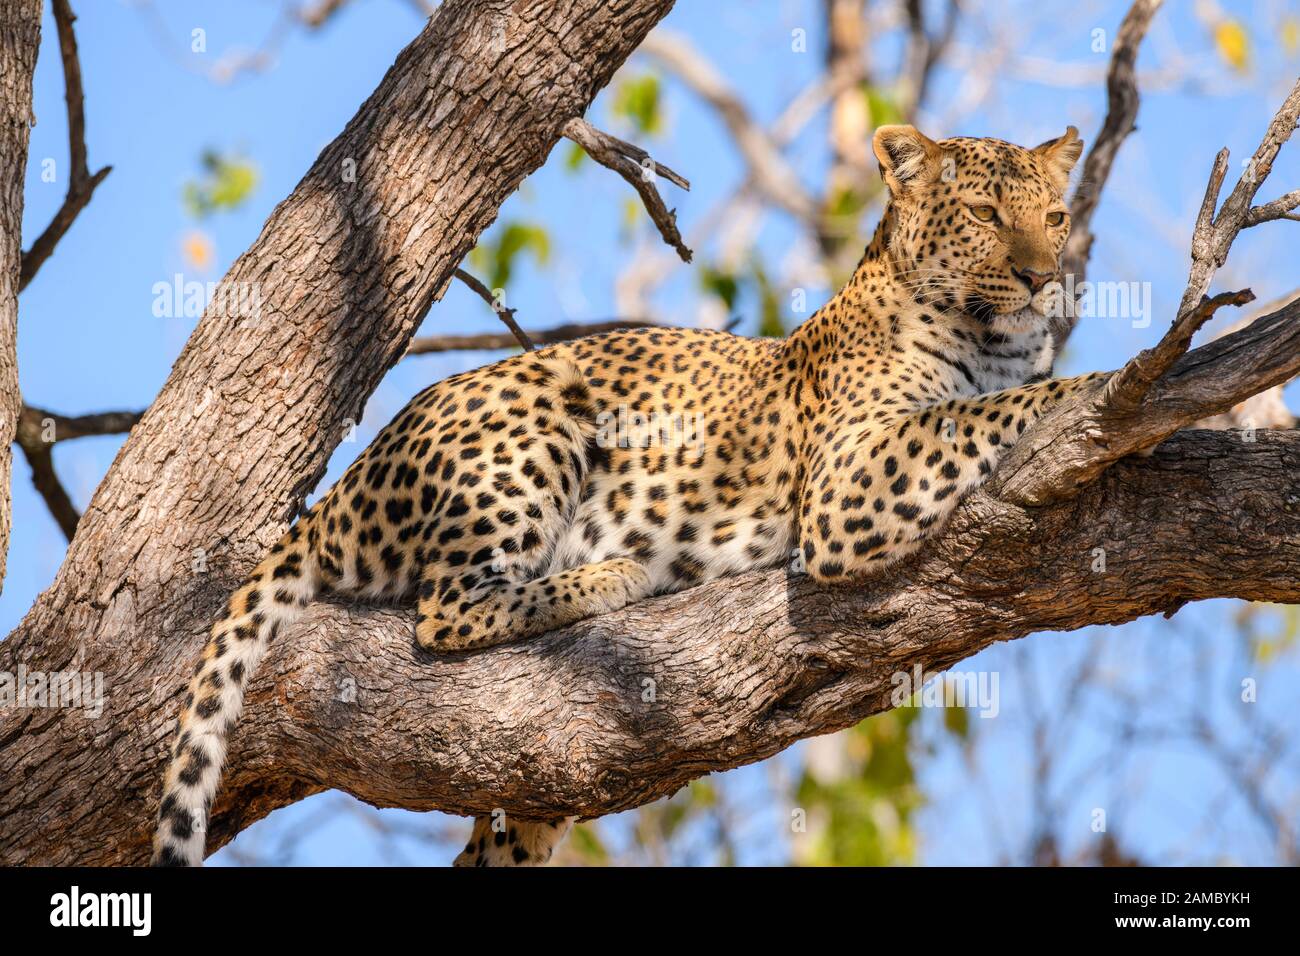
(452, 620)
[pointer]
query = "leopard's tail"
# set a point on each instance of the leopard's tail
(274, 594)
(498, 840)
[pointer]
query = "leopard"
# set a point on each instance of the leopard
(570, 481)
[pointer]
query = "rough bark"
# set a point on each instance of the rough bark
(19, 42)
(343, 271)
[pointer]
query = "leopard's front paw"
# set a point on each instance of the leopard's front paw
(622, 581)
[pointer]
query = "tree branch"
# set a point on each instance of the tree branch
(739, 668)
(1214, 234)
(1268, 408)
(46, 481)
(81, 184)
(48, 427)
(1071, 446)
(505, 315)
(39, 430)
(924, 51)
(636, 166)
(1280, 208)
(618, 710)
(428, 344)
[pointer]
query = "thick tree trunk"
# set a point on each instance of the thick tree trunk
(20, 39)
(341, 275)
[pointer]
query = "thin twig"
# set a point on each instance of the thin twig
(81, 184)
(316, 15)
(51, 490)
(767, 168)
(1279, 208)
(505, 315)
(38, 432)
(638, 156)
(1214, 234)
(924, 51)
(636, 166)
(66, 427)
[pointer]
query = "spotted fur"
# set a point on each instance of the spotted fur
(514, 499)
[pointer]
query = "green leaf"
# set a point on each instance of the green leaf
(769, 304)
(226, 183)
(637, 100)
(587, 844)
(862, 815)
(956, 720)
(722, 284)
(632, 213)
(575, 157)
(499, 255)
(881, 107)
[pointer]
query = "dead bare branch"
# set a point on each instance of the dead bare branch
(1213, 235)
(1280, 208)
(1128, 386)
(1086, 437)
(1164, 389)
(636, 166)
(81, 184)
(494, 303)
(39, 430)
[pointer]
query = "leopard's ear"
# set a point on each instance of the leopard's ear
(906, 155)
(1060, 155)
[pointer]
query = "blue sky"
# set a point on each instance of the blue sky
(89, 340)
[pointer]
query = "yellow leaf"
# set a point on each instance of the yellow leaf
(1290, 34)
(1233, 43)
(198, 250)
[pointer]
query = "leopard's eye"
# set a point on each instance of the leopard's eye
(1055, 218)
(984, 213)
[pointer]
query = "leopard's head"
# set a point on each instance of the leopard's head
(978, 225)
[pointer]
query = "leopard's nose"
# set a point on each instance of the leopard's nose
(1035, 280)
